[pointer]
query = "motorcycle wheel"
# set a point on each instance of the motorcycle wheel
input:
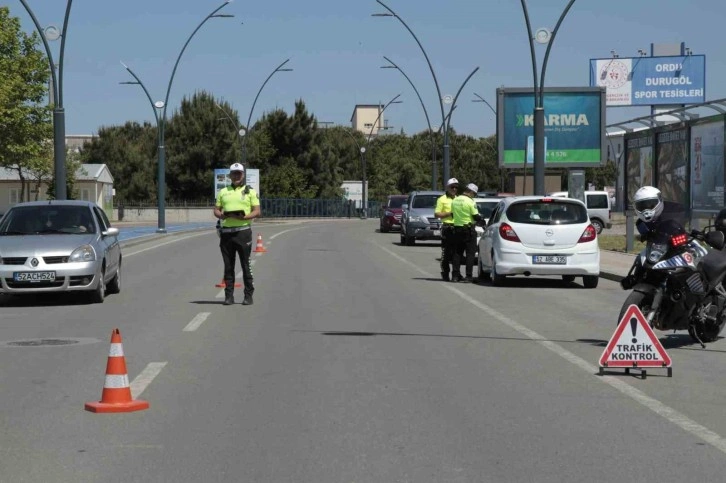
(642, 300)
(706, 333)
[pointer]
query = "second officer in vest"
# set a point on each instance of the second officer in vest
(466, 215)
(237, 205)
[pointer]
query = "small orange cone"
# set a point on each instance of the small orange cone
(116, 395)
(259, 248)
(223, 284)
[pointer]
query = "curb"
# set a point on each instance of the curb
(156, 236)
(611, 276)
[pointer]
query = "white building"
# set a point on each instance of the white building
(93, 183)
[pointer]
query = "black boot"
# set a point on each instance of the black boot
(228, 299)
(456, 277)
(445, 276)
(247, 300)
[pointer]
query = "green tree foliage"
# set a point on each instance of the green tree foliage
(25, 121)
(296, 157)
(199, 138)
(130, 153)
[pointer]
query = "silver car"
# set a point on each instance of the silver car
(59, 246)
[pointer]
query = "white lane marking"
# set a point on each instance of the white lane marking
(166, 243)
(285, 231)
(142, 381)
(196, 322)
(675, 417)
(238, 276)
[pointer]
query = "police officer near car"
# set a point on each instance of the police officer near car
(443, 212)
(237, 205)
(466, 215)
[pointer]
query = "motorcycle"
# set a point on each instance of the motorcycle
(677, 283)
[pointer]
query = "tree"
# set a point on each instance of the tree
(198, 141)
(129, 151)
(25, 122)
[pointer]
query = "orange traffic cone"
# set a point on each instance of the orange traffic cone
(223, 284)
(259, 248)
(116, 395)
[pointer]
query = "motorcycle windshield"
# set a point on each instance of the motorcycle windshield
(665, 230)
(659, 240)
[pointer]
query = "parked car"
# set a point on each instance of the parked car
(418, 221)
(598, 208)
(485, 206)
(391, 212)
(535, 235)
(59, 246)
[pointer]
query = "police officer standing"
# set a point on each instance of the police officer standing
(443, 212)
(237, 205)
(465, 215)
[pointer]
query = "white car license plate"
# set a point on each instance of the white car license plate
(549, 259)
(34, 276)
(437, 232)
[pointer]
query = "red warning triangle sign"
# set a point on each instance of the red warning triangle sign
(634, 344)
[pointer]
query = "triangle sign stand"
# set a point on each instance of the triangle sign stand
(634, 345)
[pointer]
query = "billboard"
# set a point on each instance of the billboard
(707, 157)
(671, 161)
(574, 126)
(651, 81)
(221, 179)
(638, 165)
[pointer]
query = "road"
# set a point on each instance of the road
(355, 364)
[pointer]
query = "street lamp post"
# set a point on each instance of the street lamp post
(542, 36)
(59, 116)
(279, 68)
(161, 120)
(428, 121)
(433, 74)
(453, 103)
(239, 130)
(364, 205)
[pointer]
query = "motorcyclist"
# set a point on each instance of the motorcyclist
(652, 210)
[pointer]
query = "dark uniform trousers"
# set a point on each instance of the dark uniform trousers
(464, 243)
(447, 246)
(231, 245)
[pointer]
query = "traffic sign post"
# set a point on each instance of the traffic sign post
(634, 345)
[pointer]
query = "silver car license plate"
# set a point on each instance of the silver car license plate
(549, 259)
(34, 276)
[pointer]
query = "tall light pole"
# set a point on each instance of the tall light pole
(279, 68)
(363, 149)
(428, 121)
(433, 74)
(161, 120)
(542, 36)
(486, 141)
(239, 130)
(453, 103)
(481, 99)
(59, 115)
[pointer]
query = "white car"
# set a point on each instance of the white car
(536, 235)
(486, 207)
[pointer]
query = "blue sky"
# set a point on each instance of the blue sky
(336, 48)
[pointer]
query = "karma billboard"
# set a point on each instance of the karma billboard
(574, 126)
(651, 81)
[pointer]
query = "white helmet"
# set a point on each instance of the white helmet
(648, 203)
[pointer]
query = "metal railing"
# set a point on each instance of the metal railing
(274, 207)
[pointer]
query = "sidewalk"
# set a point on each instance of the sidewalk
(615, 265)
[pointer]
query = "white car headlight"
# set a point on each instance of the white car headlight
(84, 253)
(419, 219)
(388, 213)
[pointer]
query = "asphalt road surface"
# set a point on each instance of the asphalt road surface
(355, 364)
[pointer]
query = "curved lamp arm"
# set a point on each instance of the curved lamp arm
(176, 64)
